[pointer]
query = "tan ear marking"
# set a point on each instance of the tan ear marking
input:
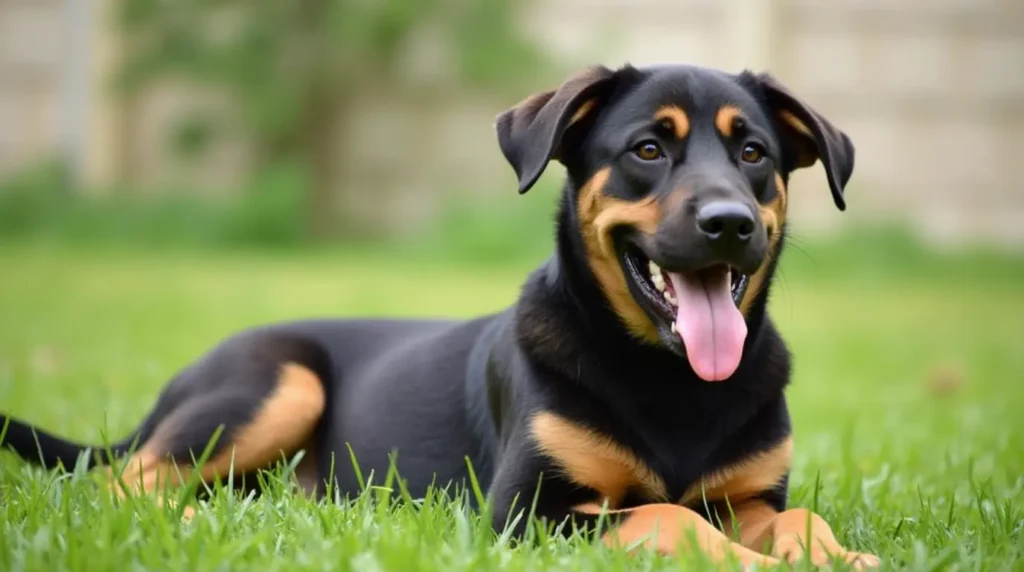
(795, 123)
(583, 110)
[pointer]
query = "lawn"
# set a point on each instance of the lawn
(907, 404)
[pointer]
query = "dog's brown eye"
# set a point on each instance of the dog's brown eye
(752, 153)
(648, 151)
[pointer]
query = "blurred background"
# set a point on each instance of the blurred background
(250, 121)
(172, 171)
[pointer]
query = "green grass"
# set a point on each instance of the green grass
(927, 478)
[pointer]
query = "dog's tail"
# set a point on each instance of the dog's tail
(49, 451)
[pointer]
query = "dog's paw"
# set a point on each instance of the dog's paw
(859, 560)
(862, 560)
(187, 515)
(793, 552)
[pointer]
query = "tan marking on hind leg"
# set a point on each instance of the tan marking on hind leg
(283, 424)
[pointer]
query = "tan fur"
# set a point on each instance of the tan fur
(774, 216)
(750, 523)
(283, 424)
(744, 479)
(795, 123)
(725, 119)
(807, 153)
(599, 214)
(674, 115)
(785, 534)
(790, 540)
(593, 460)
(668, 528)
(582, 112)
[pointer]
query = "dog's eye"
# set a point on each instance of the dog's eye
(752, 153)
(648, 151)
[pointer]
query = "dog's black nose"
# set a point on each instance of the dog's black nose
(726, 221)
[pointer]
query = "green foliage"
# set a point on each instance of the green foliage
(290, 70)
(494, 54)
(280, 62)
(30, 199)
(494, 229)
(34, 207)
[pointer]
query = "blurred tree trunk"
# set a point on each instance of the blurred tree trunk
(321, 148)
(296, 69)
(130, 158)
(319, 135)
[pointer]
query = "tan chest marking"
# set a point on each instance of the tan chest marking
(593, 460)
(744, 479)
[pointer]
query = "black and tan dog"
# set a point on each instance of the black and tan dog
(638, 373)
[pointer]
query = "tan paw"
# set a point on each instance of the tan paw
(187, 515)
(861, 560)
(793, 552)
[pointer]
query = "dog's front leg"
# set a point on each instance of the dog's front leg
(672, 529)
(791, 535)
(667, 528)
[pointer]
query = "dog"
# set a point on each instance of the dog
(636, 386)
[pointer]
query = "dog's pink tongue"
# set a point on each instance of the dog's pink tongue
(709, 322)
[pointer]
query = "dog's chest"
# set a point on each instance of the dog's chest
(621, 476)
(740, 479)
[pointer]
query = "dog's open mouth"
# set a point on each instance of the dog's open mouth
(701, 309)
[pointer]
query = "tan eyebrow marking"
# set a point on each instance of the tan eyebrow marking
(726, 117)
(674, 115)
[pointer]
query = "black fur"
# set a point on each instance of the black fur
(436, 392)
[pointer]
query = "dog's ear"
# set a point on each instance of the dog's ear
(811, 136)
(531, 133)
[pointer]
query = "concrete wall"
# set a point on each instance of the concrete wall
(931, 91)
(31, 51)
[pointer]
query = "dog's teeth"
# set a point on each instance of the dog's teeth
(655, 275)
(656, 278)
(659, 282)
(669, 298)
(673, 328)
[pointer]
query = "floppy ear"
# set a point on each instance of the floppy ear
(812, 136)
(530, 134)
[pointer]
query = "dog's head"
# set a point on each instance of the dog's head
(677, 179)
